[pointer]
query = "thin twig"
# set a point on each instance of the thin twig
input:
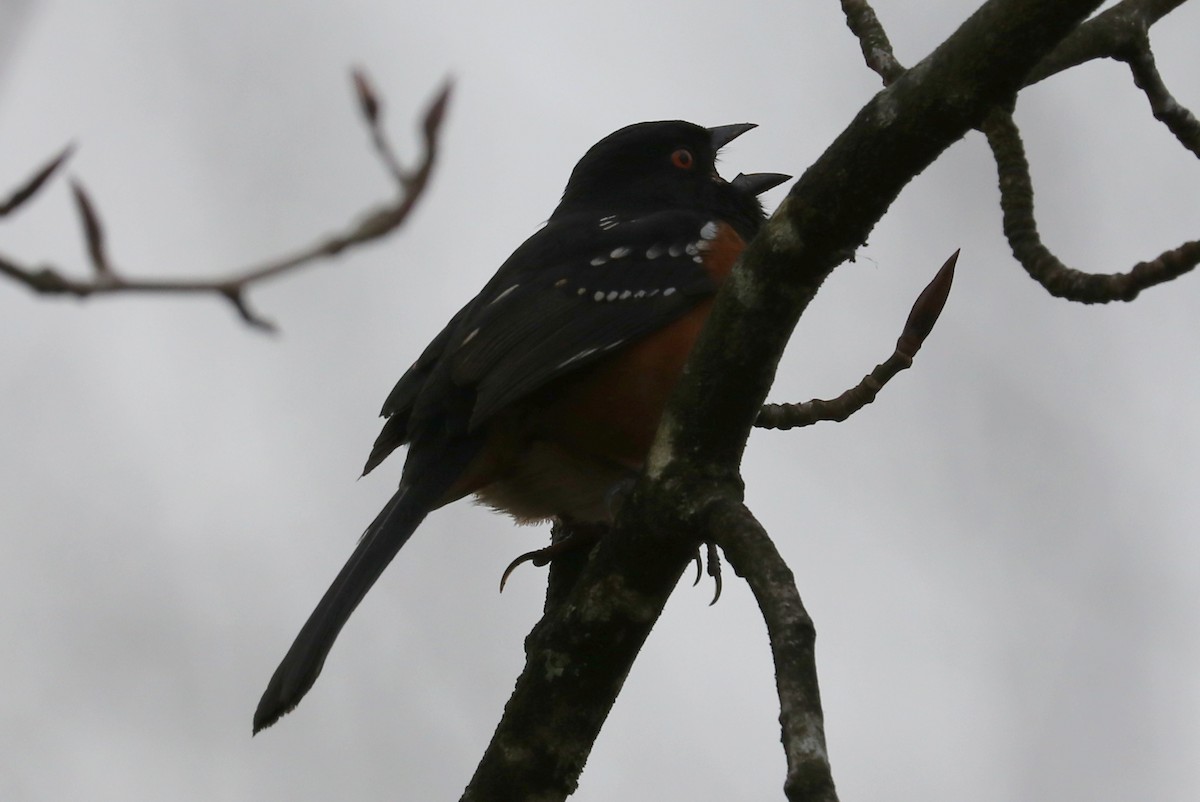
(373, 224)
(873, 39)
(920, 323)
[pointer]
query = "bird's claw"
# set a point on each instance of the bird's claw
(544, 556)
(714, 569)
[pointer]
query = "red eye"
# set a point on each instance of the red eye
(683, 159)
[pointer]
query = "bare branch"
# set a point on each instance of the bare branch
(921, 320)
(1020, 227)
(793, 638)
(373, 224)
(1121, 32)
(34, 183)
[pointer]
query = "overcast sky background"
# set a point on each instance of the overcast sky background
(1001, 554)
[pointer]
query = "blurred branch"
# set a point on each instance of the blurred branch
(921, 320)
(35, 182)
(373, 224)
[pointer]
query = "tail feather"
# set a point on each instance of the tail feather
(300, 667)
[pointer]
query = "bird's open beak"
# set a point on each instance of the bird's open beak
(722, 135)
(754, 183)
(758, 183)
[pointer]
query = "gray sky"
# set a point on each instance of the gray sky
(1001, 554)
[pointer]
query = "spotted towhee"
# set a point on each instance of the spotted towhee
(544, 392)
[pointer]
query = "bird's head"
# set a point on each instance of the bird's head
(651, 166)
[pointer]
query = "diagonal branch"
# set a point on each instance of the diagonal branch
(375, 223)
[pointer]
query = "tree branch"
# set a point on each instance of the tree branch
(375, 223)
(1123, 33)
(1111, 34)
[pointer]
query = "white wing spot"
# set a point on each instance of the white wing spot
(668, 291)
(655, 251)
(612, 295)
(709, 232)
(584, 353)
(640, 294)
(599, 260)
(468, 338)
(611, 346)
(501, 295)
(692, 248)
(598, 295)
(617, 253)
(698, 260)
(624, 295)
(675, 250)
(652, 293)
(608, 222)
(562, 282)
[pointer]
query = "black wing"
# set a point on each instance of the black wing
(570, 294)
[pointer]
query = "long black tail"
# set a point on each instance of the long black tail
(387, 533)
